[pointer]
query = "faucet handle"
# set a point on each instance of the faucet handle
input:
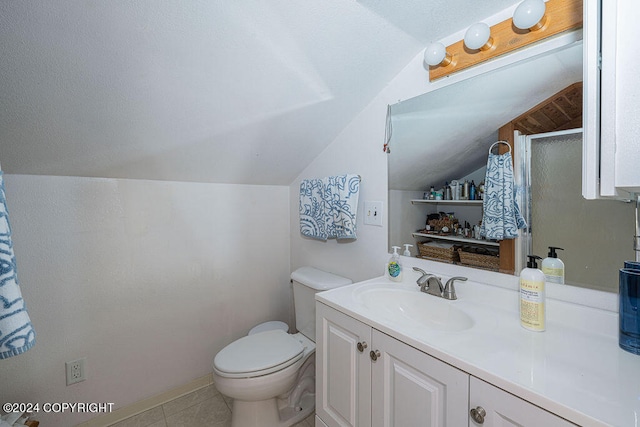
(419, 270)
(449, 290)
(422, 281)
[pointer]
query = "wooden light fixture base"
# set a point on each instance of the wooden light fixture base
(560, 16)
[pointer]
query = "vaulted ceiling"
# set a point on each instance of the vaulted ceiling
(239, 91)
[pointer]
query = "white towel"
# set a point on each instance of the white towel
(501, 216)
(16, 331)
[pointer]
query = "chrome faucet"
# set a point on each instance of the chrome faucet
(431, 284)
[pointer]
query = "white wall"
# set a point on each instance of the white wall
(358, 149)
(146, 279)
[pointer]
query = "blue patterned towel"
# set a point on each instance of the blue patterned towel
(343, 192)
(313, 212)
(16, 332)
(328, 207)
(501, 216)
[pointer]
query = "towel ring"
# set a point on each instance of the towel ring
(499, 142)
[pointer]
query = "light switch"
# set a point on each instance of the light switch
(373, 213)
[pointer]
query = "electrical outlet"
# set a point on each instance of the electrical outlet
(373, 213)
(75, 371)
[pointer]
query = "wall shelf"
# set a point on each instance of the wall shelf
(457, 239)
(446, 202)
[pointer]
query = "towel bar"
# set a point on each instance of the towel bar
(499, 142)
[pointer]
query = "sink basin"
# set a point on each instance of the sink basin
(413, 308)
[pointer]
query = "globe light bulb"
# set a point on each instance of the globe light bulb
(529, 14)
(436, 54)
(478, 36)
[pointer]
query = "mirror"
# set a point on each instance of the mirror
(445, 135)
(592, 233)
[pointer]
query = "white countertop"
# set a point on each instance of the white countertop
(574, 369)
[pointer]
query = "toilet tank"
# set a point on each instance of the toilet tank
(306, 282)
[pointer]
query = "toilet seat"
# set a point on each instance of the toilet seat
(258, 354)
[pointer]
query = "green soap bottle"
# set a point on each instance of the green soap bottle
(394, 266)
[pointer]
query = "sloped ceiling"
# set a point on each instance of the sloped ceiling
(193, 90)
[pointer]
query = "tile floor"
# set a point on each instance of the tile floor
(203, 408)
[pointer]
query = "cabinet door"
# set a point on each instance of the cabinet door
(411, 388)
(610, 119)
(343, 372)
(620, 66)
(504, 409)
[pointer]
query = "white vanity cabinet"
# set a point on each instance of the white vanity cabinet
(493, 407)
(343, 369)
(411, 388)
(366, 378)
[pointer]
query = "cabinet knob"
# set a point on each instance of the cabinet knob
(374, 354)
(478, 413)
(361, 346)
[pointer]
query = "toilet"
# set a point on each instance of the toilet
(270, 374)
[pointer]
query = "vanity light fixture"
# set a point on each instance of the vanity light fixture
(480, 43)
(530, 15)
(436, 54)
(478, 36)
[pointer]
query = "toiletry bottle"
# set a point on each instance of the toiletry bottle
(447, 191)
(455, 190)
(407, 252)
(532, 298)
(553, 267)
(472, 191)
(394, 266)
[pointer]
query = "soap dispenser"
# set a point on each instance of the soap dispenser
(532, 298)
(407, 252)
(553, 267)
(394, 266)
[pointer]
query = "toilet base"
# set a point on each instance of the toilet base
(293, 387)
(295, 415)
(265, 413)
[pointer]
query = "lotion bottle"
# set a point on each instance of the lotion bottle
(532, 298)
(407, 252)
(553, 267)
(394, 266)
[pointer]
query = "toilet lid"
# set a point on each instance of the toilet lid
(269, 326)
(259, 354)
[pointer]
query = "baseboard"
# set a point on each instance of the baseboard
(146, 404)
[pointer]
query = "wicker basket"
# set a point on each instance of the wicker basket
(449, 255)
(438, 224)
(489, 262)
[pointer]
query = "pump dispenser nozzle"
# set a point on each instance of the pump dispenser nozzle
(552, 251)
(532, 263)
(407, 252)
